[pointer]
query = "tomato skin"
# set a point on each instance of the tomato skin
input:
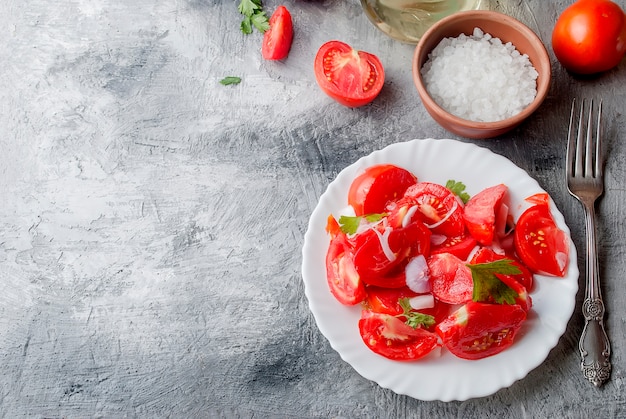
(479, 330)
(343, 279)
(540, 244)
(390, 337)
(353, 78)
(590, 36)
(485, 214)
(277, 39)
(451, 280)
(377, 185)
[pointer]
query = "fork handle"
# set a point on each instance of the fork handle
(595, 350)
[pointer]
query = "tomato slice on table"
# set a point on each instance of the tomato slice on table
(540, 244)
(353, 78)
(590, 36)
(486, 214)
(390, 337)
(383, 253)
(450, 278)
(479, 330)
(377, 185)
(343, 279)
(277, 39)
(438, 207)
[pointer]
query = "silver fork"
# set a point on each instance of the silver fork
(584, 174)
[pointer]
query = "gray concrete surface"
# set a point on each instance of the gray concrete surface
(152, 219)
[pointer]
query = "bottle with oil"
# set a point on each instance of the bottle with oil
(407, 20)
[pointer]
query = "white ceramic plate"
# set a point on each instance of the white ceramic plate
(444, 377)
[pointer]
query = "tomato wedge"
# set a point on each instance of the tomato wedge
(486, 214)
(390, 337)
(277, 39)
(437, 206)
(343, 279)
(460, 246)
(353, 78)
(377, 185)
(479, 330)
(450, 278)
(386, 301)
(540, 244)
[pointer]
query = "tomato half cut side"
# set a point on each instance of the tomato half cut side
(390, 337)
(479, 330)
(351, 77)
(451, 280)
(277, 39)
(540, 244)
(486, 214)
(377, 185)
(343, 279)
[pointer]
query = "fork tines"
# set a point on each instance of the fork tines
(584, 149)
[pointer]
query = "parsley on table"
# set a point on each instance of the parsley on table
(253, 15)
(226, 81)
(488, 287)
(415, 319)
(350, 225)
(458, 188)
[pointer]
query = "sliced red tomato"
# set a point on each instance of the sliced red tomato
(377, 185)
(437, 206)
(390, 337)
(277, 39)
(486, 214)
(386, 301)
(520, 283)
(459, 246)
(451, 279)
(479, 330)
(382, 253)
(353, 78)
(540, 244)
(343, 279)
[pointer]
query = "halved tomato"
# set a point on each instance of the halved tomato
(343, 279)
(437, 206)
(377, 185)
(451, 280)
(540, 243)
(486, 214)
(479, 330)
(390, 337)
(277, 39)
(351, 77)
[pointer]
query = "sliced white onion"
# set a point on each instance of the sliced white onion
(384, 243)
(561, 259)
(437, 239)
(472, 253)
(420, 302)
(409, 215)
(455, 205)
(418, 275)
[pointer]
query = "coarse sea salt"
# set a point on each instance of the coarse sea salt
(479, 78)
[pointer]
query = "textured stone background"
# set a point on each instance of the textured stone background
(152, 219)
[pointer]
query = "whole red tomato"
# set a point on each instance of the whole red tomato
(590, 36)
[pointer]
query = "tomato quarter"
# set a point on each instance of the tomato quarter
(486, 214)
(590, 36)
(377, 185)
(353, 78)
(390, 337)
(277, 39)
(450, 279)
(479, 330)
(343, 279)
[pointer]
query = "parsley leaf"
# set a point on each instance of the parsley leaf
(415, 319)
(253, 14)
(458, 188)
(488, 287)
(350, 225)
(226, 81)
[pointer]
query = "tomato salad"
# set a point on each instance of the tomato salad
(432, 266)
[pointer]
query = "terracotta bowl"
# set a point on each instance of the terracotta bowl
(500, 26)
